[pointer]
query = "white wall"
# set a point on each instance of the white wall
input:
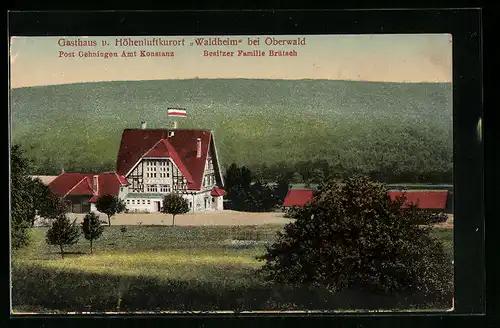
(219, 203)
(142, 204)
(197, 200)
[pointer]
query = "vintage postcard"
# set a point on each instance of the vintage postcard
(266, 173)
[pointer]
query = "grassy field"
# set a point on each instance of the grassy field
(152, 268)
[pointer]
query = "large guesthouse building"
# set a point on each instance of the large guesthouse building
(150, 164)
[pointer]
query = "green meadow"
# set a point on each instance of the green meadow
(160, 268)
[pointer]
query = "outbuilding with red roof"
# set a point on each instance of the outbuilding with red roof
(81, 190)
(427, 199)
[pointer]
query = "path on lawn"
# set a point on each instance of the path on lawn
(224, 218)
(209, 218)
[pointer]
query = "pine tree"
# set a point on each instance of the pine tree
(62, 233)
(92, 228)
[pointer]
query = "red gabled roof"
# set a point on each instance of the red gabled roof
(424, 199)
(122, 179)
(81, 184)
(164, 149)
(181, 147)
(109, 184)
(297, 197)
(71, 183)
(216, 191)
(83, 187)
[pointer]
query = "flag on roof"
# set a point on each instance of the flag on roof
(178, 112)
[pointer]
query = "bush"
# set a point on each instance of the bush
(174, 204)
(291, 212)
(92, 228)
(62, 232)
(110, 205)
(352, 236)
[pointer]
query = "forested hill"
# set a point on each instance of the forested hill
(365, 126)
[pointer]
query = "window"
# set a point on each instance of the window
(133, 201)
(154, 175)
(128, 201)
(213, 199)
(165, 188)
(190, 204)
(151, 188)
(149, 201)
(168, 175)
(143, 201)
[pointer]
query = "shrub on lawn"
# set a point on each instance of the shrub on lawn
(174, 204)
(110, 205)
(92, 228)
(352, 236)
(62, 232)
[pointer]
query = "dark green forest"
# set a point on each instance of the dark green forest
(397, 132)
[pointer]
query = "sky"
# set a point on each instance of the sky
(38, 61)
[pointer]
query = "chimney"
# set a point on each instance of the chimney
(143, 125)
(198, 148)
(95, 184)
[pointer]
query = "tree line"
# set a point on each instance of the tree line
(315, 171)
(248, 192)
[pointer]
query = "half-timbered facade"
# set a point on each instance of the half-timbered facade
(156, 162)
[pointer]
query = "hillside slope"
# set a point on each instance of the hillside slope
(359, 124)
